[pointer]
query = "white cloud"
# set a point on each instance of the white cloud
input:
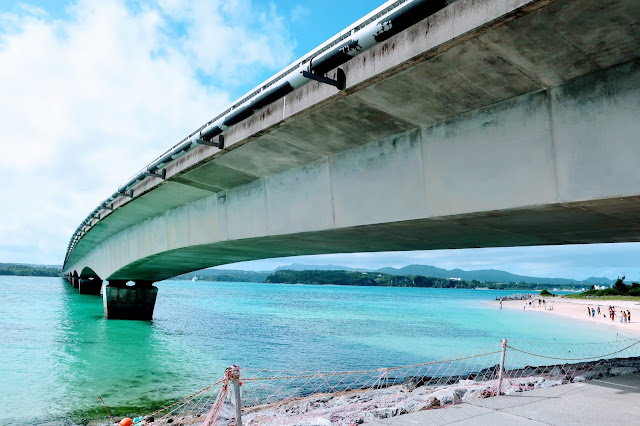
(300, 13)
(88, 100)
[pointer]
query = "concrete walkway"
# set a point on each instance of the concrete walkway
(613, 401)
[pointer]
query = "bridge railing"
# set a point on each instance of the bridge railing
(124, 191)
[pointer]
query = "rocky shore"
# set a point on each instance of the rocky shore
(414, 394)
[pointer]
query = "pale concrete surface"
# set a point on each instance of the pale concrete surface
(610, 401)
(491, 123)
(486, 178)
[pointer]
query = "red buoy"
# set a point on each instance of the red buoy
(126, 422)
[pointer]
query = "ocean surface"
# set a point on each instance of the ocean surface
(58, 352)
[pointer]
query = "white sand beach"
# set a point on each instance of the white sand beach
(577, 309)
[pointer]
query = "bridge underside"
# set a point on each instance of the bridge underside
(489, 124)
(613, 220)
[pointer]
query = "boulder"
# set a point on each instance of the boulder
(595, 373)
(622, 371)
(479, 392)
(449, 396)
(383, 413)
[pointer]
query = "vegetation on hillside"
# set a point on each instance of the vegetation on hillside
(28, 270)
(228, 275)
(388, 280)
(619, 289)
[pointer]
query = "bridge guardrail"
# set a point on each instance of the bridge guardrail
(393, 17)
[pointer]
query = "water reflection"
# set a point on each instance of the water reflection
(120, 360)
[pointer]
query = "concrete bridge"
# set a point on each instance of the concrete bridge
(488, 123)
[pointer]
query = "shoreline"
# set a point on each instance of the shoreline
(576, 309)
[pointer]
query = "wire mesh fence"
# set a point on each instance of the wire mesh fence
(283, 397)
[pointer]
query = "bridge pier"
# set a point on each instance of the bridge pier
(133, 303)
(75, 282)
(90, 286)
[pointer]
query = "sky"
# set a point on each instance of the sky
(92, 91)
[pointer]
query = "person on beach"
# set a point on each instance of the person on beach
(629, 316)
(593, 312)
(598, 310)
(624, 316)
(588, 311)
(524, 307)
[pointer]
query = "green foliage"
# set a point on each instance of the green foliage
(29, 271)
(545, 293)
(225, 275)
(620, 286)
(619, 289)
(388, 280)
(609, 292)
(634, 291)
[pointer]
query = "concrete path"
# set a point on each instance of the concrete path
(613, 401)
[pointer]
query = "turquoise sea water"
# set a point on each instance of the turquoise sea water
(58, 352)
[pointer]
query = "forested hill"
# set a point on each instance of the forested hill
(29, 270)
(388, 280)
(226, 275)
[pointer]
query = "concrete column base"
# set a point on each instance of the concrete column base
(132, 303)
(75, 282)
(90, 286)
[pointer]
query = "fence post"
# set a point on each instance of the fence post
(234, 375)
(501, 373)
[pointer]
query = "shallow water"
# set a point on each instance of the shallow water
(58, 352)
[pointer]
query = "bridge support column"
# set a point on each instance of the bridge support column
(90, 286)
(132, 303)
(75, 281)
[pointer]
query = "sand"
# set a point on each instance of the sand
(577, 309)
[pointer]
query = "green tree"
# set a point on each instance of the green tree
(620, 285)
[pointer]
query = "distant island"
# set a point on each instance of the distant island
(425, 276)
(226, 275)
(356, 278)
(30, 270)
(482, 275)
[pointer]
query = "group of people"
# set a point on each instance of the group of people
(623, 316)
(532, 304)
